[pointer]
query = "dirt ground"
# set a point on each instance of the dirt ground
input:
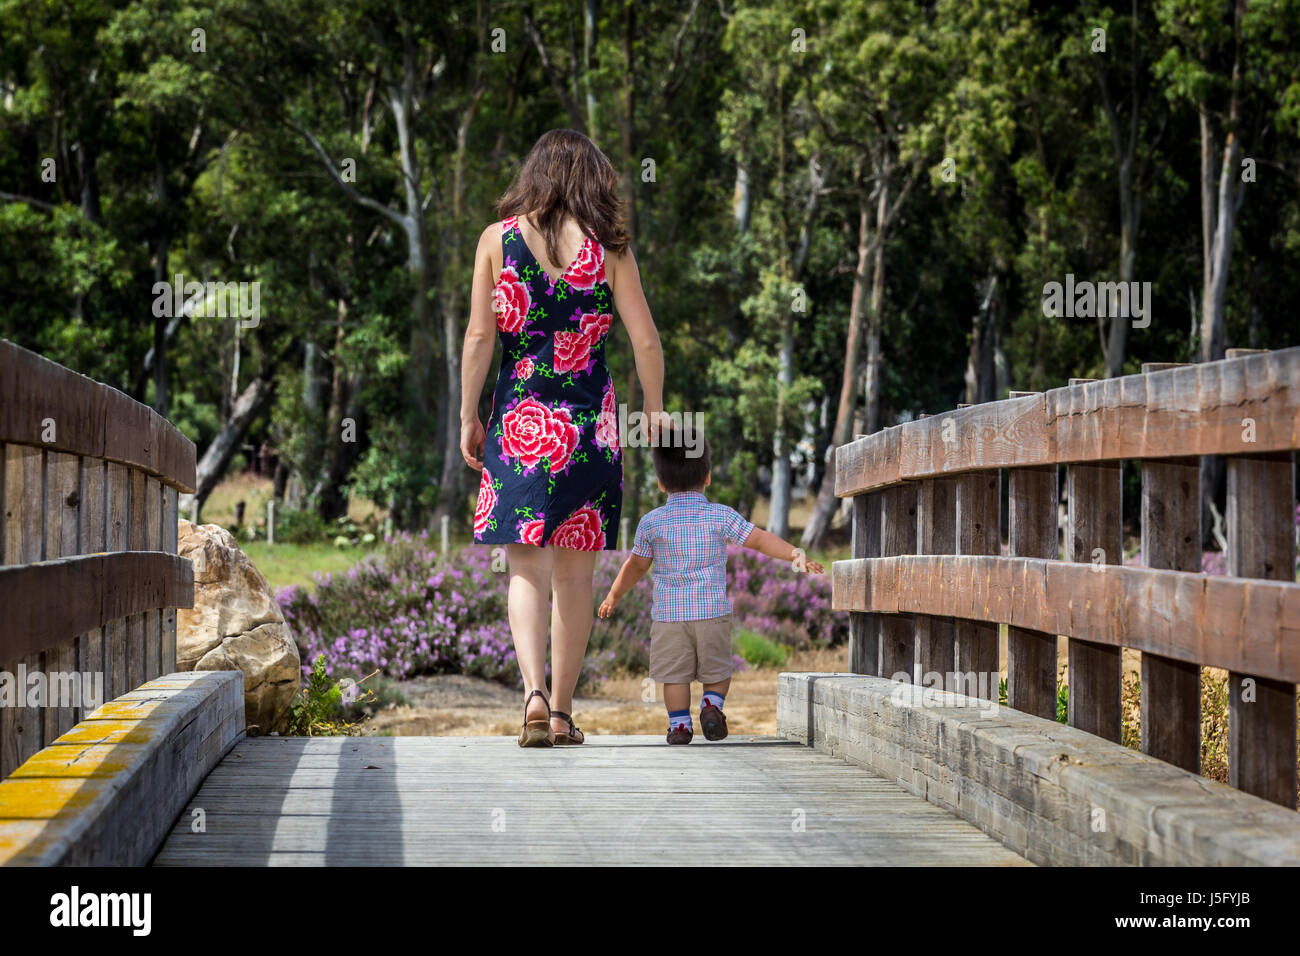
(454, 705)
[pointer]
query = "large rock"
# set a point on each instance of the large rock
(236, 625)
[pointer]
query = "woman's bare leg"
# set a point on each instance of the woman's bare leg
(572, 610)
(528, 601)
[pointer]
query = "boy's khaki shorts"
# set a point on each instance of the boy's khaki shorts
(685, 651)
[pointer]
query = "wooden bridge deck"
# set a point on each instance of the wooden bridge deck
(615, 800)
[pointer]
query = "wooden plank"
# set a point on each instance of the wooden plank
(1194, 410)
(62, 531)
(89, 419)
(1171, 539)
(1261, 544)
(629, 800)
(864, 629)
(936, 533)
(978, 512)
(153, 624)
(1094, 536)
(1243, 625)
(117, 498)
(22, 728)
(92, 540)
(171, 516)
(38, 613)
(1031, 654)
(136, 626)
(898, 536)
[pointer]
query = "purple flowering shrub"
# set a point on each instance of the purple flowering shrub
(404, 614)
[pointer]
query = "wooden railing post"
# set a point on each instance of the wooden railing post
(864, 628)
(1171, 540)
(1032, 529)
(898, 537)
(936, 533)
(978, 532)
(1261, 544)
(22, 730)
(1095, 535)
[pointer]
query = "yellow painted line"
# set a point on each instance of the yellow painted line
(45, 798)
(79, 761)
(109, 731)
(24, 837)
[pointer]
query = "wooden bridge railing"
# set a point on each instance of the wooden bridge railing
(89, 576)
(927, 585)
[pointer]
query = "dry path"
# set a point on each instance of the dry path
(362, 801)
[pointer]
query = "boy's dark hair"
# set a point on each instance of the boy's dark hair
(676, 469)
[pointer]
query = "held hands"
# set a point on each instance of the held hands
(607, 606)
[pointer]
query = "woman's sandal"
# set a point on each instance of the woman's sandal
(536, 733)
(568, 739)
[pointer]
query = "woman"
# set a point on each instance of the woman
(546, 279)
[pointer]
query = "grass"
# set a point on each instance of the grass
(758, 651)
(285, 564)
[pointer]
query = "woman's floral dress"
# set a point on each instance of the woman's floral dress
(552, 466)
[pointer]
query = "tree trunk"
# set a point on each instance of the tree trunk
(872, 390)
(217, 456)
(778, 518)
(819, 522)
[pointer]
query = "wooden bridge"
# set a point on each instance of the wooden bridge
(908, 758)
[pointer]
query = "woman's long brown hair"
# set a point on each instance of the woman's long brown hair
(565, 174)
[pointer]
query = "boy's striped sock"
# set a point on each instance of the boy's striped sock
(680, 718)
(712, 698)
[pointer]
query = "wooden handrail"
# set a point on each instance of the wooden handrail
(903, 583)
(1236, 406)
(47, 603)
(48, 406)
(1240, 624)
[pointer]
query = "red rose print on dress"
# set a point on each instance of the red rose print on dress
(524, 368)
(581, 531)
(572, 352)
(510, 301)
(607, 423)
(589, 266)
(530, 532)
(531, 432)
(595, 326)
(487, 500)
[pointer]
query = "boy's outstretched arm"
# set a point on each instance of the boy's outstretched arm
(632, 571)
(764, 542)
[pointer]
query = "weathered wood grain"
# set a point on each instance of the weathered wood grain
(1193, 410)
(118, 528)
(92, 540)
(978, 522)
(1171, 539)
(108, 587)
(1244, 625)
(616, 800)
(1094, 536)
(1031, 652)
(62, 517)
(22, 728)
(90, 419)
(898, 536)
(1262, 708)
(864, 629)
(936, 533)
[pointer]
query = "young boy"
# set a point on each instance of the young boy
(686, 541)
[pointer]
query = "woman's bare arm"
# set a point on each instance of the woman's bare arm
(480, 344)
(629, 299)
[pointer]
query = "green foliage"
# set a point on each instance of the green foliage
(758, 651)
(320, 708)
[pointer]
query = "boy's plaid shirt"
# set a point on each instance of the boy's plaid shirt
(687, 540)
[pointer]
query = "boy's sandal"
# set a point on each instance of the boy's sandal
(573, 737)
(536, 733)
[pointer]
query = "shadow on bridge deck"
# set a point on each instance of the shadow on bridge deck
(615, 800)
